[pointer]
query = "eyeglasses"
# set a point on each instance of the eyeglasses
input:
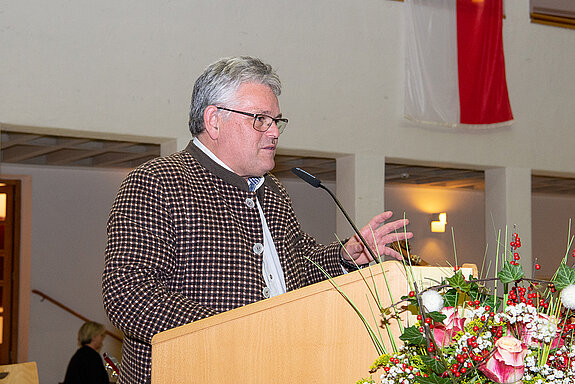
(261, 122)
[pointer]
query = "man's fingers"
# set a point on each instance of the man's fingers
(393, 253)
(376, 221)
(394, 225)
(395, 236)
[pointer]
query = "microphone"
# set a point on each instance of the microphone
(316, 183)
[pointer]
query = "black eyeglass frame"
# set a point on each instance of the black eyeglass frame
(280, 122)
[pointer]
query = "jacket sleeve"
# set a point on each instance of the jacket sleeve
(140, 258)
(326, 256)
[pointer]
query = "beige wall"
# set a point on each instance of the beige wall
(128, 67)
(67, 237)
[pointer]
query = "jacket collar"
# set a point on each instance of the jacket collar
(227, 176)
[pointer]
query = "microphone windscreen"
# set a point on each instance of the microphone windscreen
(308, 178)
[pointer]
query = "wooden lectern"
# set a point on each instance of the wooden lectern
(311, 335)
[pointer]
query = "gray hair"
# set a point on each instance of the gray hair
(220, 81)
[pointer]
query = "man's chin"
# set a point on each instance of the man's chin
(267, 165)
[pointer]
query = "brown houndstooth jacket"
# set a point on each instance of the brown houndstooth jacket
(181, 234)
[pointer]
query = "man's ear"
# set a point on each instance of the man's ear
(212, 121)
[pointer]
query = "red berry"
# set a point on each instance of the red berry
(538, 267)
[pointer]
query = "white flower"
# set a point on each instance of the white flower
(568, 296)
(432, 300)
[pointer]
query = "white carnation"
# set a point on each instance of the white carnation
(432, 301)
(568, 296)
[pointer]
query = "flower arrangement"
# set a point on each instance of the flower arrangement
(518, 330)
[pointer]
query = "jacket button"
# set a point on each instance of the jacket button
(258, 248)
(266, 292)
(250, 203)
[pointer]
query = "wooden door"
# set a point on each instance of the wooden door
(9, 269)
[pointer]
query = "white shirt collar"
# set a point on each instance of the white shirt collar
(212, 156)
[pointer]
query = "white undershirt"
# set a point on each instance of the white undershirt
(271, 267)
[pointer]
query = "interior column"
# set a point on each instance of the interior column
(360, 189)
(508, 204)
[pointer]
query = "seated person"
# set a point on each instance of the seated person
(86, 366)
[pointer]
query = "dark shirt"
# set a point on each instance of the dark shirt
(86, 367)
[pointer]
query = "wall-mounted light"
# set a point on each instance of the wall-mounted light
(438, 221)
(2, 206)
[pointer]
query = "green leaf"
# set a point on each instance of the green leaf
(510, 273)
(433, 364)
(412, 335)
(457, 281)
(437, 316)
(473, 291)
(493, 301)
(432, 379)
(450, 298)
(565, 276)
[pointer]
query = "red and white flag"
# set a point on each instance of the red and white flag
(455, 67)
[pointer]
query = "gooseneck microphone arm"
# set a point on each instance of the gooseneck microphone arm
(316, 183)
